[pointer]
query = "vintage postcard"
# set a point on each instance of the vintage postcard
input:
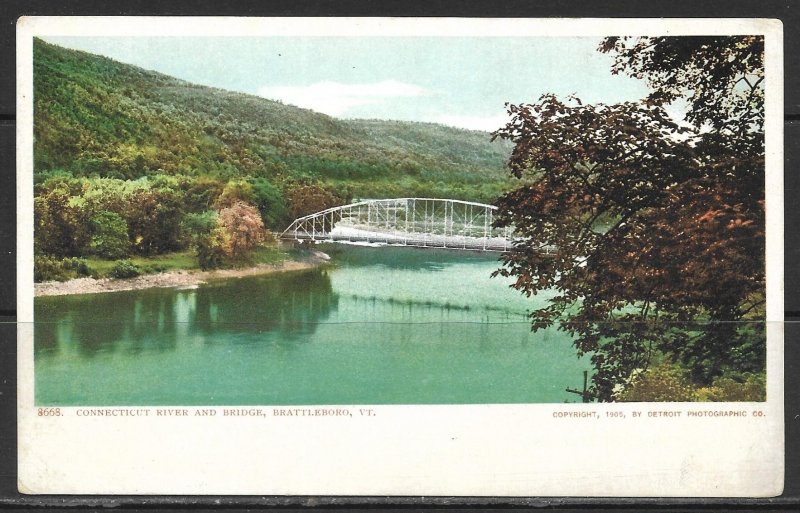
(383, 256)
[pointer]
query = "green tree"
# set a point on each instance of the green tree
(201, 193)
(659, 229)
(270, 202)
(154, 218)
(210, 241)
(235, 191)
(106, 194)
(110, 236)
(304, 199)
(196, 224)
(212, 248)
(61, 223)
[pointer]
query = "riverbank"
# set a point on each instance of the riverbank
(172, 279)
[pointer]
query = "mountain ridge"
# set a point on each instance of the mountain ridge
(94, 116)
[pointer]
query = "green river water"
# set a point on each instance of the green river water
(378, 326)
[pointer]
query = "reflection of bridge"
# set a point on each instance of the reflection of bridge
(420, 222)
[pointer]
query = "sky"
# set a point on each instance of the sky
(457, 81)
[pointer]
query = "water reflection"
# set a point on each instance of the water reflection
(381, 326)
(290, 304)
(405, 258)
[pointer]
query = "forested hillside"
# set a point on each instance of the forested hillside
(134, 164)
(98, 117)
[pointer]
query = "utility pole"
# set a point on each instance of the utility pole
(585, 395)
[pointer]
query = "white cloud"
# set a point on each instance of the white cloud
(335, 98)
(484, 123)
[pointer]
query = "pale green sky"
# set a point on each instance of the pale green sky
(456, 81)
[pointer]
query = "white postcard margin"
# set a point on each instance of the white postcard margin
(473, 450)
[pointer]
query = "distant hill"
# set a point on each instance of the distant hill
(98, 117)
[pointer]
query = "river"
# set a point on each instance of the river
(378, 326)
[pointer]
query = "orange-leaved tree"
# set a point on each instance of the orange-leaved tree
(244, 226)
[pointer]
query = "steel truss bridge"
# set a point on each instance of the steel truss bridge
(418, 222)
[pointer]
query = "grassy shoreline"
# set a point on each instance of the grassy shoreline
(178, 270)
(185, 261)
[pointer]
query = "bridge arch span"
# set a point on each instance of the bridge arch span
(418, 222)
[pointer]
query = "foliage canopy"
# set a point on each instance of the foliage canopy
(659, 224)
(97, 117)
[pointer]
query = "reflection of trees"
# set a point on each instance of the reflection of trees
(136, 321)
(289, 303)
(45, 332)
(154, 322)
(426, 259)
(151, 320)
(81, 323)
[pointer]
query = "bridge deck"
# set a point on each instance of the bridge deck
(415, 240)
